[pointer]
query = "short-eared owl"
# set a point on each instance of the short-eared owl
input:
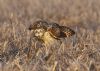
(50, 33)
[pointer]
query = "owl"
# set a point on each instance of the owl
(49, 32)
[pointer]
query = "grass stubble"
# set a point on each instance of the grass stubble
(19, 51)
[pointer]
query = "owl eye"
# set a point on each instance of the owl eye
(38, 25)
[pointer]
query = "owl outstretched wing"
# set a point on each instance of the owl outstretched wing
(58, 31)
(67, 31)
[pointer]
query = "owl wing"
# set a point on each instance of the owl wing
(67, 31)
(54, 30)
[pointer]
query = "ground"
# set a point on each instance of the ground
(20, 52)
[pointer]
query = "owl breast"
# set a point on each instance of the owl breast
(49, 40)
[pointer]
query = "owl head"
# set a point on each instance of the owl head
(40, 24)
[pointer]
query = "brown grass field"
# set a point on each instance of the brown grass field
(20, 52)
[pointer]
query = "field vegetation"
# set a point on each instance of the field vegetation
(20, 52)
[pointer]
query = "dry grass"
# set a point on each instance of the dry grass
(20, 53)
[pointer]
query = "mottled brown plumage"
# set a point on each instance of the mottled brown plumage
(50, 32)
